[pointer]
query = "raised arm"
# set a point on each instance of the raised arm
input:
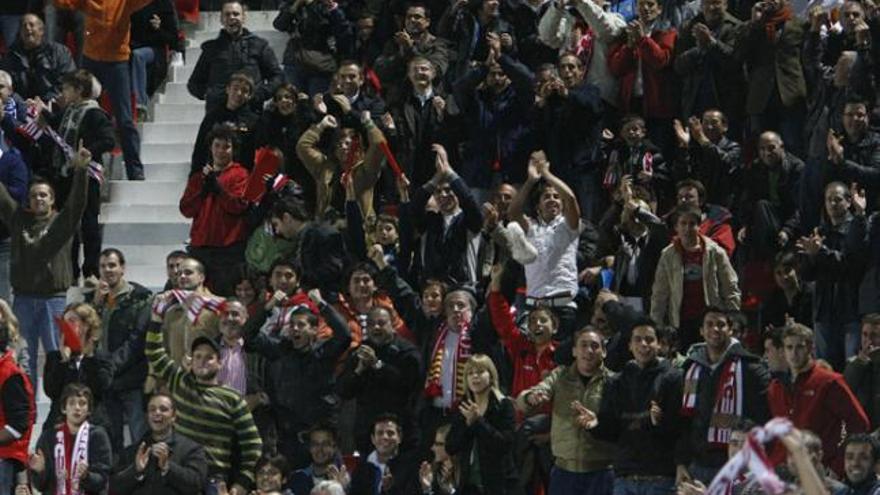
(570, 208)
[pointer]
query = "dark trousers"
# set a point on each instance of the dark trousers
(90, 235)
(763, 231)
(564, 482)
(116, 79)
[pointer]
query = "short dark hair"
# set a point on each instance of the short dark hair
(718, 110)
(629, 118)
(277, 461)
(323, 426)
(644, 321)
(177, 253)
(774, 334)
(717, 311)
(588, 329)
(786, 259)
(288, 262)
(81, 80)
(223, 132)
(800, 331)
(668, 334)
(77, 390)
(686, 211)
(161, 394)
(386, 418)
(693, 184)
(114, 251)
(242, 77)
(420, 5)
(361, 266)
(38, 180)
(294, 207)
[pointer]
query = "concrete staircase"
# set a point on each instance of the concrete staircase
(142, 218)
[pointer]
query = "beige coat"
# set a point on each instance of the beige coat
(574, 448)
(720, 283)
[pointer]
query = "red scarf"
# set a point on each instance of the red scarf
(775, 20)
(433, 383)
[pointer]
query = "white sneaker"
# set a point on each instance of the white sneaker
(176, 59)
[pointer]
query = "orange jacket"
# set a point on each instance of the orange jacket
(108, 24)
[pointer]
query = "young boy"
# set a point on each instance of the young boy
(76, 452)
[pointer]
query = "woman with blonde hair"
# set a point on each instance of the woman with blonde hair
(482, 433)
(16, 342)
(78, 362)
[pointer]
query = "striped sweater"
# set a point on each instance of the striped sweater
(213, 415)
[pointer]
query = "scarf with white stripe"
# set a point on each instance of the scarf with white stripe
(753, 458)
(66, 482)
(192, 302)
(728, 405)
(32, 130)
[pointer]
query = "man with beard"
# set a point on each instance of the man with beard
(164, 460)
(217, 417)
(382, 375)
(860, 457)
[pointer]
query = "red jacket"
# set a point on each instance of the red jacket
(529, 368)
(218, 217)
(820, 401)
(658, 81)
(16, 449)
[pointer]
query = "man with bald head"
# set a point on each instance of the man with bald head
(35, 63)
(768, 202)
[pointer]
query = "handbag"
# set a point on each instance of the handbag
(555, 26)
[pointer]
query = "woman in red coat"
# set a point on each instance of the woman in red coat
(642, 61)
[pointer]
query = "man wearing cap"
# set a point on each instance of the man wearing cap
(300, 378)
(217, 416)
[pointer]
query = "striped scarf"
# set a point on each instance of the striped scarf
(433, 383)
(728, 400)
(753, 458)
(192, 301)
(32, 130)
(66, 483)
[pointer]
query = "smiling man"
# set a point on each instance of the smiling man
(719, 367)
(217, 417)
(385, 471)
(816, 399)
(164, 460)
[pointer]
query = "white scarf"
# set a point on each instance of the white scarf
(753, 458)
(80, 454)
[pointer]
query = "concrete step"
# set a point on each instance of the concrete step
(166, 152)
(168, 171)
(133, 214)
(146, 192)
(124, 234)
(179, 112)
(177, 94)
(146, 254)
(169, 132)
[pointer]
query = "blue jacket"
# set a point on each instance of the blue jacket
(15, 175)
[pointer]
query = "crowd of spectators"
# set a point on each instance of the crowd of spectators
(467, 247)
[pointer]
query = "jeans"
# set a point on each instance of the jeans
(141, 59)
(125, 407)
(4, 269)
(116, 79)
(36, 318)
(836, 342)
(7, 476)
(9, 25)
(564, 482)
(624, 486)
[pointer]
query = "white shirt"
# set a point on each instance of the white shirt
(554, 271)
(447, 373)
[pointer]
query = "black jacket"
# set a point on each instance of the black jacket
(300, 384)
(864, 380)
(314, 28)
(693, 444)
(837, 275)
(223, 56)
(242, 119)
(96, 372)
(756, 187)
(715, 165)
(492, 437)
(38, 72)
(445, 249)
(404, 470)
(570, 131)
(123, 336)
(644, 449)
(863, 243)
(187, 469)
(392, 388)
(100, 456)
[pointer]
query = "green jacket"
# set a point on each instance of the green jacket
(40, 247)
(575, 448)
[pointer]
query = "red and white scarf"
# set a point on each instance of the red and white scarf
(34, 132)
(753, 458)
(728, 399)
(66, 482)
(192, 301)
(434, 381)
